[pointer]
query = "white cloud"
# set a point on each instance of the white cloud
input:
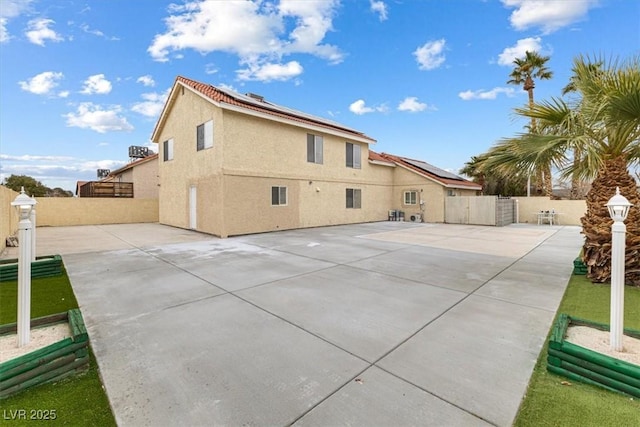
(486, 94)
(28, 157)
(96, 84)
(55, 171)
(41, 84)
(146, 80)
(86, 29)
(39, 31)
(94, 117)
(64, 94)
(412, 105)
(152, 104)
(4, 33)
(519, 50)
(548, 15)
(10, 9)
(210, 69)
(260, 33)
(380, 8)
(358, 107)
(269, 72)
(430, 55)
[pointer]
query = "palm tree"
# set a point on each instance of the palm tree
(533, 66)
(603, 124)
(501, 181)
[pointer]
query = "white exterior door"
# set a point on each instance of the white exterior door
(193, 198)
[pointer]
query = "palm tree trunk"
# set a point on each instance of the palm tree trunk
(548, 182)
(596, 224)
(575, 181)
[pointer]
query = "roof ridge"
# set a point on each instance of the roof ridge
(232, 97)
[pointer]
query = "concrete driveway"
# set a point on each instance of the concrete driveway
(371, 324)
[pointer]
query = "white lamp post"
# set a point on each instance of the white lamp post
(33, 231)
(618, 207)
(24, 204)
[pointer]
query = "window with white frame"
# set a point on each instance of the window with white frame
(278, 196)
(204, 135)
(354, 198)
(411, 197)
(167, 150)
(451, 193)
(314, 148)
(353, 156)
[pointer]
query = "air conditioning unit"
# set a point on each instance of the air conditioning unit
(416, 218)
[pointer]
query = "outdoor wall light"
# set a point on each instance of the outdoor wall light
(618, 206)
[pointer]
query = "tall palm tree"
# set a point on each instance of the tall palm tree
(603, 124)
(533, 66)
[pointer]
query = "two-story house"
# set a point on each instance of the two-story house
(234, 164)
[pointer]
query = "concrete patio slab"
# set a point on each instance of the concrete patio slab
(118, 295)
(354, 309)
(218, 361)
(438, 267)
(366, 402)
(534, 288)
(274, 328)
(477, 356)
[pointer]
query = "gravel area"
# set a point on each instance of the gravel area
(597, 340)
(40, 337)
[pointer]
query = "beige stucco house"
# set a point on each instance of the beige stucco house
(137, 179)
(143, 173)
(234, 164)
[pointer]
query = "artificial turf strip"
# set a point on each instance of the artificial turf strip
(549, 402)
(74, 401)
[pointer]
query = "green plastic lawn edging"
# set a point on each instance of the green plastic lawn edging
(50, 363)
(579, 267)
(43, 266)
(588, 366)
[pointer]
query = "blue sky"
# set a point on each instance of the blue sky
(81, 81)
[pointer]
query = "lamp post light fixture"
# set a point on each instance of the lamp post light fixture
(618, 207)
(24, 204)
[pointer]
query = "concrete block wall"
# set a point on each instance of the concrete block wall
(569, 211)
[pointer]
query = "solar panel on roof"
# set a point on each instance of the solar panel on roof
(432, 169)
(270, 106)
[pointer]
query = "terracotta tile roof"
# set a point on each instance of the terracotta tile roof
(373, 156)
(234, 99)
(407, 163)
(134, 164)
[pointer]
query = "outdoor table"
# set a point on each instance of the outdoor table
(547, 216)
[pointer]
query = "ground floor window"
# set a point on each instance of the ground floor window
(410, 197)
(354, 197)
(278, 196)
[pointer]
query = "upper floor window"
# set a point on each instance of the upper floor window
(410, 197)
(167, 149)
(204, 134)
(353, 156)
(354, 198)
(278, 196)
(314, 148)
(451, 193)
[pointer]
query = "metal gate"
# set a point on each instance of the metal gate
(479, 210)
